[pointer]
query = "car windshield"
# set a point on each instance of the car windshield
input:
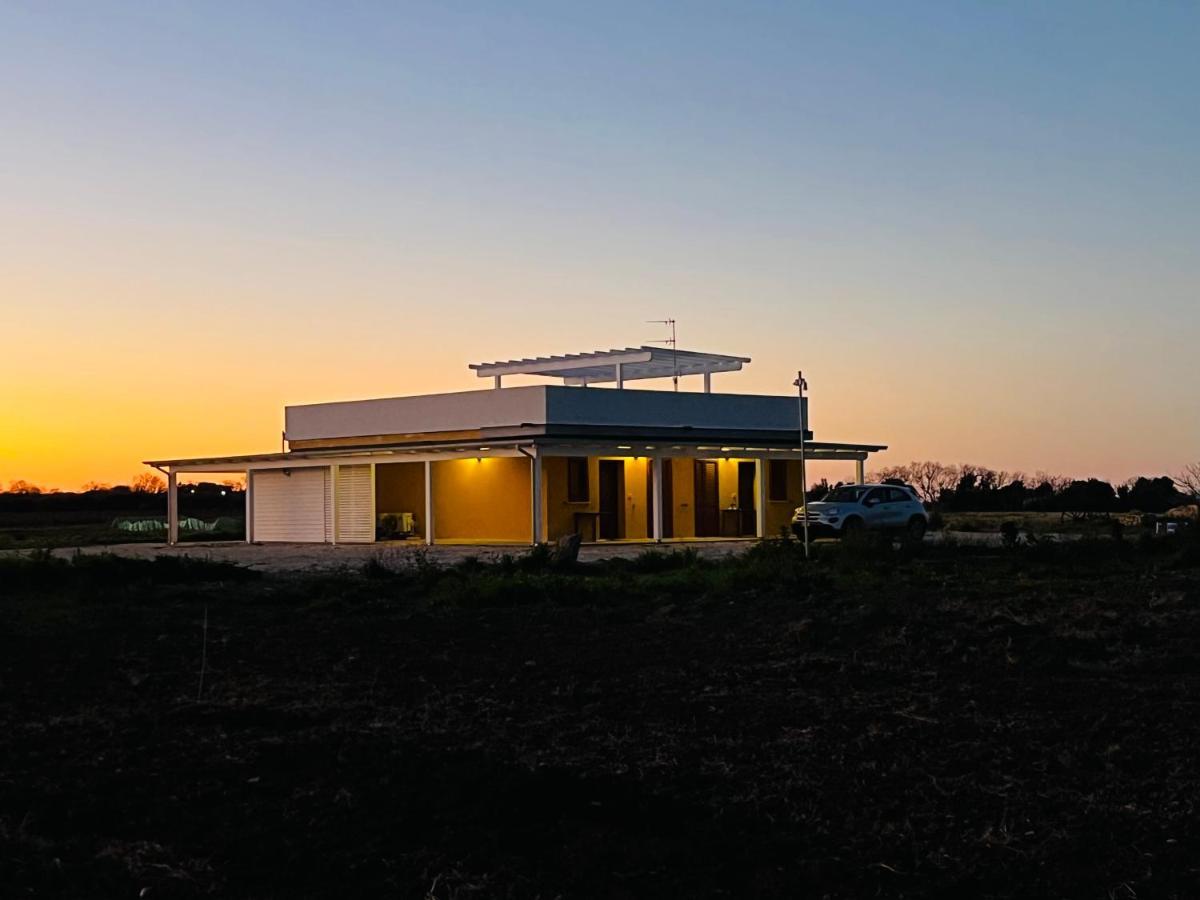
(847, 494)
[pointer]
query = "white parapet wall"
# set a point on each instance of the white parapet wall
(427, 413)
(540, 405)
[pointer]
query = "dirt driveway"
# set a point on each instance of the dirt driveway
(317, 557)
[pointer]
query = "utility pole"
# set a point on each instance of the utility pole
(801, 384)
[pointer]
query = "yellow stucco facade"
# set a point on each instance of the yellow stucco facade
(485, 499)
(488, 499)
(400, 487)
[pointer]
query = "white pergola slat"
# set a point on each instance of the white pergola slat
(619, 366)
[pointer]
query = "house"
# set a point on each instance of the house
(532, 463)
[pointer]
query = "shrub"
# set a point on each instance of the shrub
(1010, 534)
(651, 561)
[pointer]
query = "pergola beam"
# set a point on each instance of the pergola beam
(601, 366)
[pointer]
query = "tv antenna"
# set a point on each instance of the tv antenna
(670, 342)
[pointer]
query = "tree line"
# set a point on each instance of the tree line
(145, 493)
(972, 488)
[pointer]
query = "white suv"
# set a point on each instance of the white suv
(855, 507)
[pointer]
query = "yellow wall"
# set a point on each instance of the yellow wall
(482, 499)
(558, 512)
(779, 512)
(637, 523)
(683, 485)
(400, 487)
(489, 499)
(685, 491)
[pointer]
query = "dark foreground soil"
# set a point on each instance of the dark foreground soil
(980, 724)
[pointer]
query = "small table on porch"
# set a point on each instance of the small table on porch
(588, 515)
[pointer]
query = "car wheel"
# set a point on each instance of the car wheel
(916, 529)
(852, 527)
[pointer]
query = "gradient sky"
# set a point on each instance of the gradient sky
(975, 226)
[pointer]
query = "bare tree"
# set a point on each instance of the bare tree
(932, 478)
(1188, 482)
(21, 486)
(1058, 483)
(929, 478)
(148, 483)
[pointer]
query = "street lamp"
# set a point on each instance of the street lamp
(801, 384)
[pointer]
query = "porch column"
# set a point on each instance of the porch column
(172, 508)
(657, 477)
(535, 468)
(859, 476)
(620, 375)
(249, 506)
(708, 382)
(429, 502)
(760, 498)
(333, 504)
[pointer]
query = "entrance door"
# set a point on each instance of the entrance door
(612, 490)
(747, 520)
(708, 513)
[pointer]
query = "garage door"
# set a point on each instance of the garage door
(294, 506)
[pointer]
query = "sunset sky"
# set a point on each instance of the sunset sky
(976, 227)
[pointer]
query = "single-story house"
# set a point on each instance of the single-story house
(535, 462)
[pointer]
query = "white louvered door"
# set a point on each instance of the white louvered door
(355, 506)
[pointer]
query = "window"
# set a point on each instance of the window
(577, 479)
(875, 497)
(777, 486)
(847, 494)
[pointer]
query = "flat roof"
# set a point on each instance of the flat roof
(599, 366)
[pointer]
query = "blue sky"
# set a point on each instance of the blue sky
(975, 225)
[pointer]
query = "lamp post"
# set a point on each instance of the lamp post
(801, 384)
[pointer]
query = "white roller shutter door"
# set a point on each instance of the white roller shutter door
(292, 507)
(355, 507)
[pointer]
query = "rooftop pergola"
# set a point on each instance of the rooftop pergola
(619, 366)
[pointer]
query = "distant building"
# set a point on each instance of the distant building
(533, 463)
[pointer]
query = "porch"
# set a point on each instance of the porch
(522, 493)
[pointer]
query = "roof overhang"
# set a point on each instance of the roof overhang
(582, 444)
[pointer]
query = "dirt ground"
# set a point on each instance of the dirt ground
(958, 723)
